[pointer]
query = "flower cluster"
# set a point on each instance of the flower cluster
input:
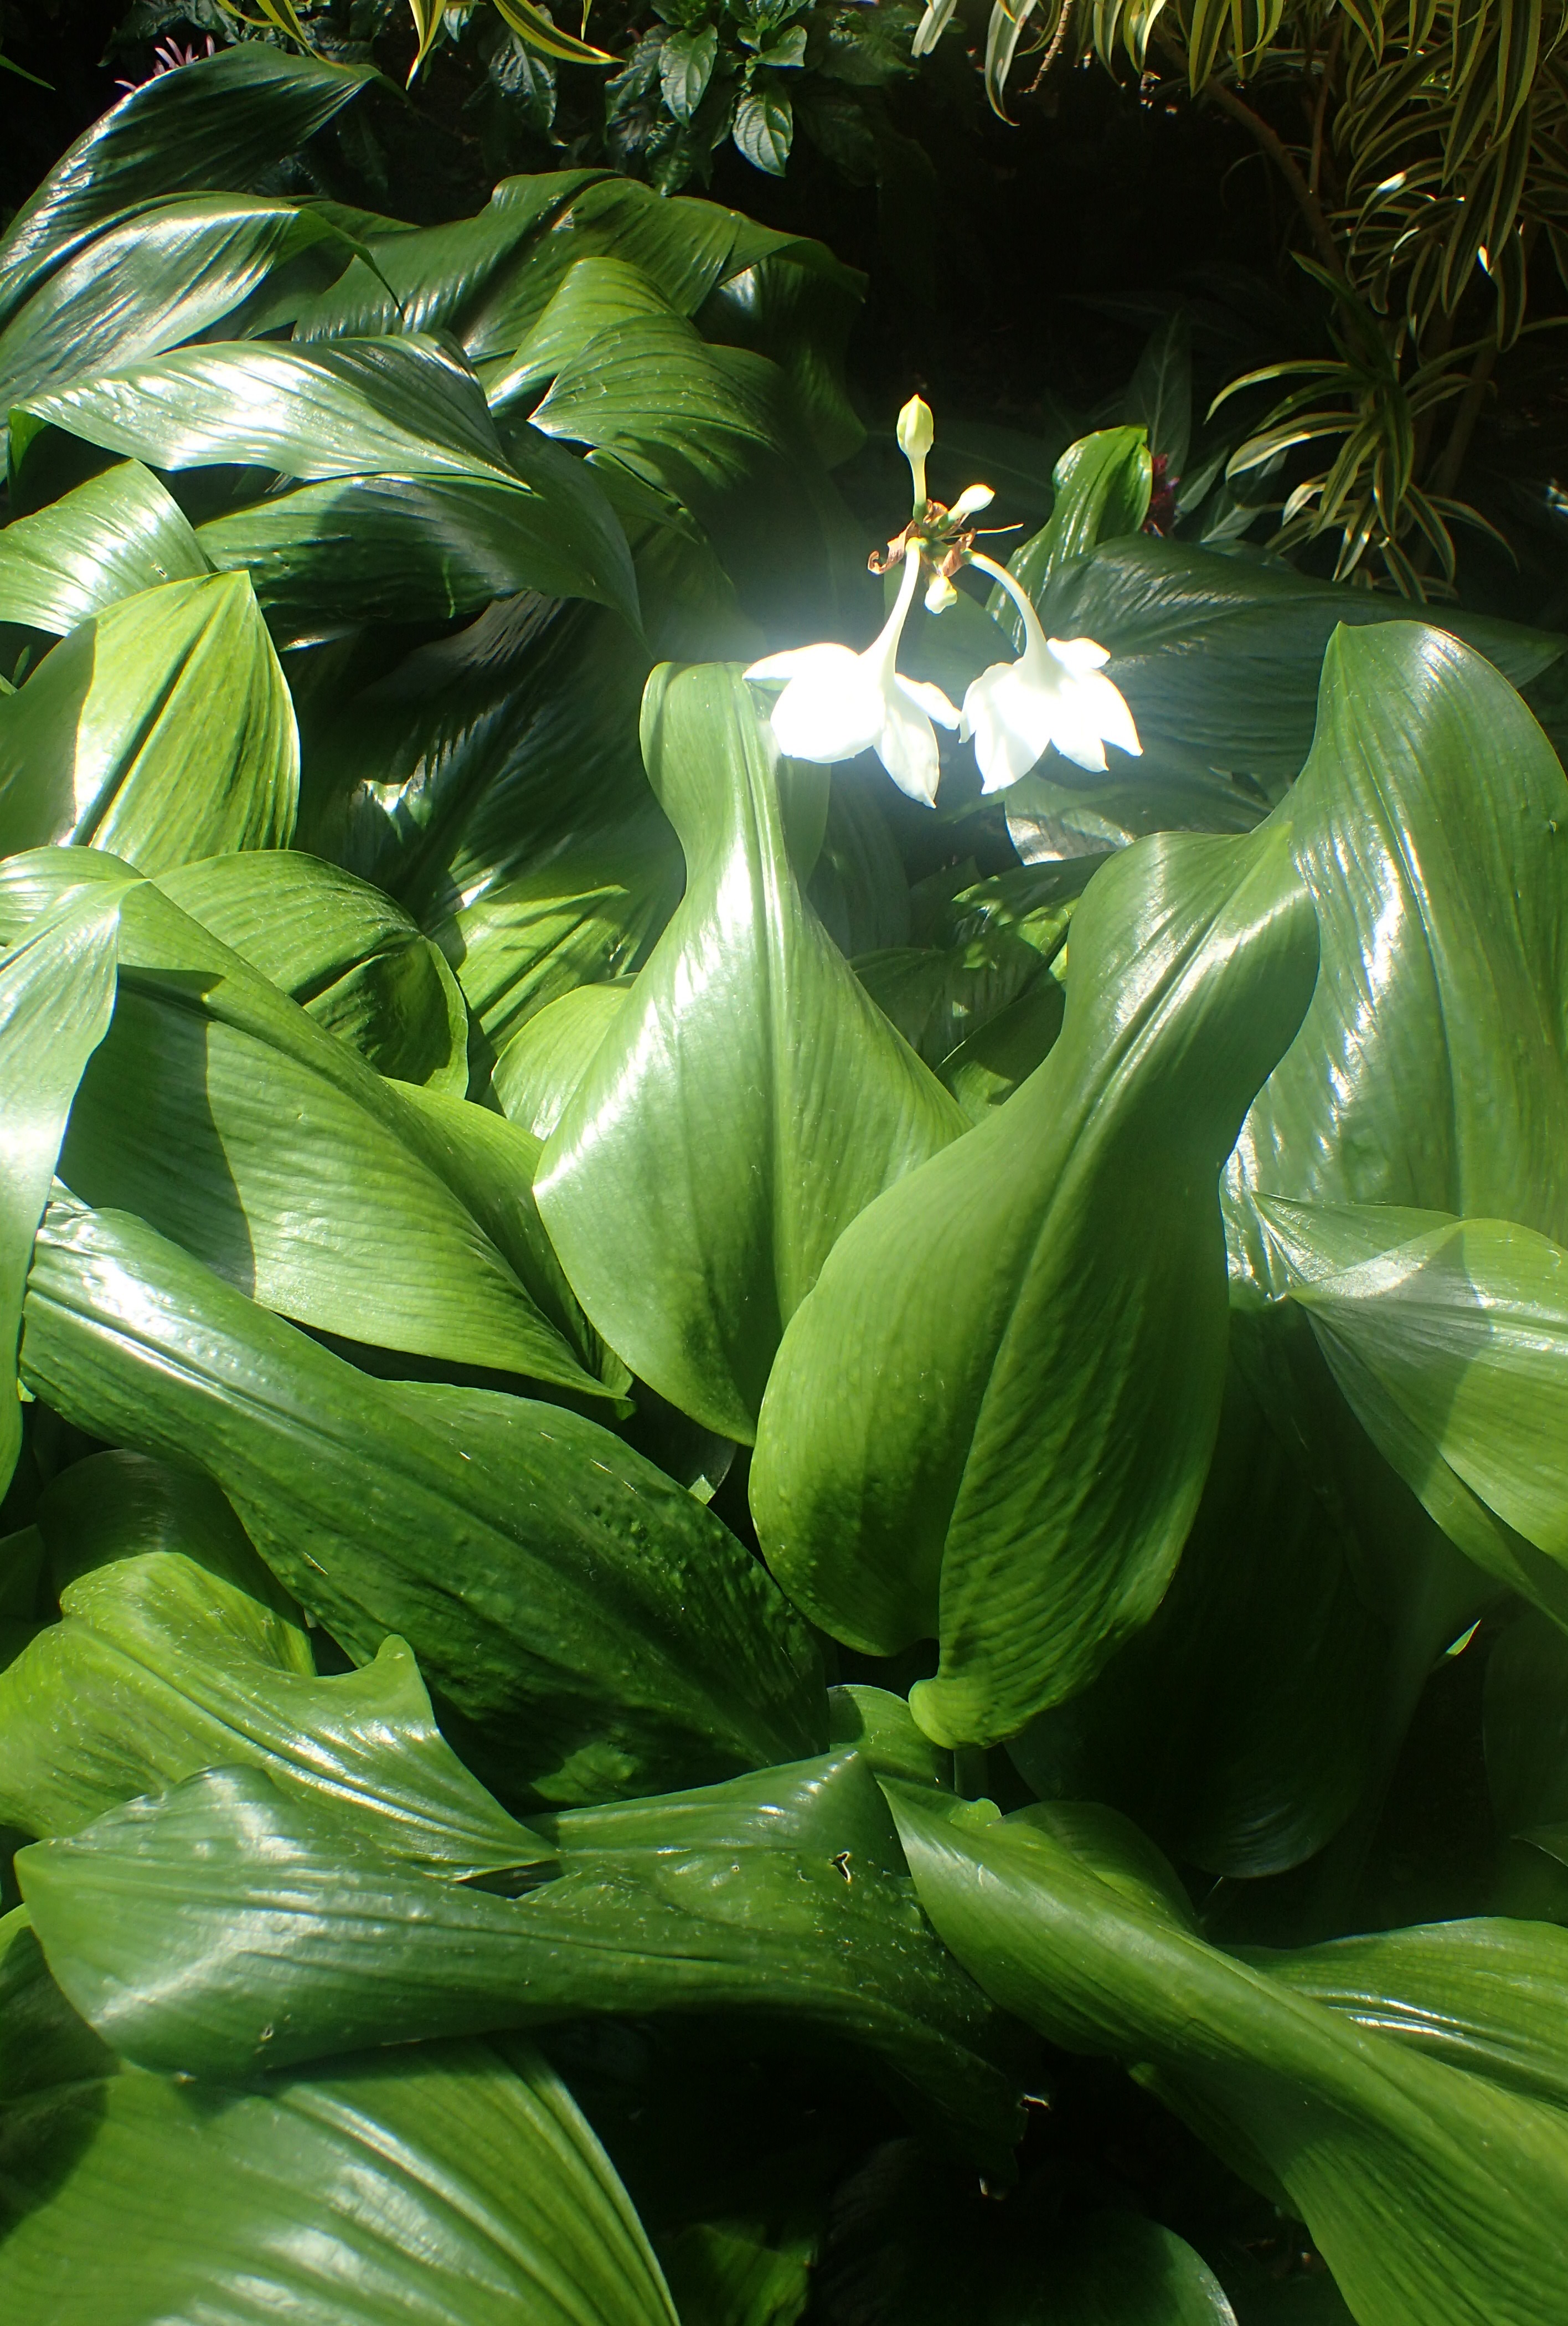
(837, 703)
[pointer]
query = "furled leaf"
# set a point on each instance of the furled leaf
(57, 991)
(162, 729)
(1404, 2092)
(117, 533)
(163, 1666)
(1101, 486)
(747, 1101)
(1432, 827)
(458, 2180)
(221, 120)
(1452, 1347)
(229, 1925)
(586, 1627)
(343, 950)
(993, 1418)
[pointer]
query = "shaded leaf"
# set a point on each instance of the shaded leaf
(586, 1627)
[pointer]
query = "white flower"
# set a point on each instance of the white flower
(1055, 693)
(838, 703)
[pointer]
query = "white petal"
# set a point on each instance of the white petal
(1010, 721)
(907, 747)
(797, 659)
(931, 699)
(1076, 734)
(830, 711)
(1106, 705)
(1079, 654)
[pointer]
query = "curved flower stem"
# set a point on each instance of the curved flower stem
(1034, 635)
(883, 651)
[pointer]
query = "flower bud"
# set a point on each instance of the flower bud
(939, 594)
(970, 502)
(917, 435)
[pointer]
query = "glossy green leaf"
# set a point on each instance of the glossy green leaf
(1220, 659)
(765, 128)
(491, 1165)
(225, 1116)
(343, 950)
(581, 919)
(430, 278)
(229, 1925)
(634, 379)
(993, 1418)
(995, 943)
(542, 1063)
(117, 533)
(1404, 2092)
(585, 1627)
(162, 729)
(166, 275)
(163, 1666)
(1101, 486)
(1432, 827)
(57, 991)
(703, 1167)
(351, 408)
(222, 121)
(458, 2181)
(1452, 1347)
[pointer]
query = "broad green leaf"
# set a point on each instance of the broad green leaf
(1101, 486)
(429, 278)
(345, 409)
(581, 919)
(684, 246)
(343, 950)
(457, 2180)
(1237, 1726)
(166, 275)
(635, 380)
(1452, 1347)
(226, 1117)
(1432, 828)
(406, 549)
(858, 888)
(792, 301)
(230, 1926)
(491, 1165)
(704, 1164)
(1404, 2092)
(765, 128)
(541, 1066)
(686, 67)
(161, 729)
(1220, 658)
(163, 1666)
(585, 1626)
(118, 534)
(993, 1418)
(222, 120)
(57, 991)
